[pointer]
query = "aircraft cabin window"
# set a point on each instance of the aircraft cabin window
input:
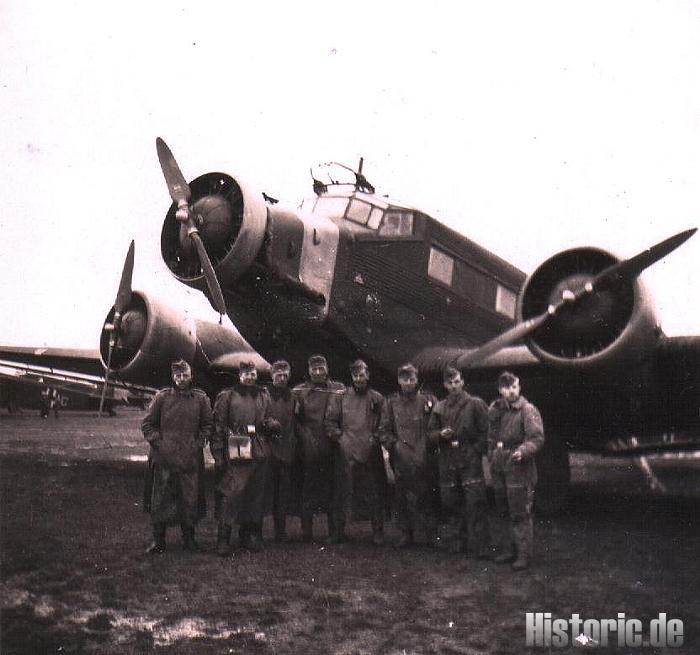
(331, 207)
(359, 211)
(505, 301)
(375, 217)
(441, 266)
(397, 223)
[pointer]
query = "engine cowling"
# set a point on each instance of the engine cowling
(609, 327)
(152, 335)
(231, 218)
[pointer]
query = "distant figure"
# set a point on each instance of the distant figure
(515, 435)
(316, 449)
(352, 422)
(404, 433)
(45, 401)
(459, 425)
(176, 426)
(54, 401)
(282, 409)
(240, 449)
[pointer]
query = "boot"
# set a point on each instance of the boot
(522, 563)
(254, 541)
(188, 541)
(378, 532)
(158, 545)
(223, 537)
(338, 535)
(281, 531)
(406, 539)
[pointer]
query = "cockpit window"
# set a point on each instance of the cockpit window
(375, 217)
(359, 211)
(331, 207)
(397, 223)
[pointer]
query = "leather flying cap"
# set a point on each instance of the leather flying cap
(281, 366)
(317, 360)
(407, 370)
(180, 366)
(246, 367)
(358, 365)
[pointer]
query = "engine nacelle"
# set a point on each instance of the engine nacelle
(610, 327)
(231, 219)
(153, 334)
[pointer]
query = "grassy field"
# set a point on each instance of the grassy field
(75, 578)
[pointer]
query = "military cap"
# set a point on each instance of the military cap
(180, 366)
(318, 360)
(407, 370)
(281, 366)
(246, 367)
(358, 365)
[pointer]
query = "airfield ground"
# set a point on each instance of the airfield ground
(75, 579)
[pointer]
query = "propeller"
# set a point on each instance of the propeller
(180, 193)
(120, 305)
(627, 269)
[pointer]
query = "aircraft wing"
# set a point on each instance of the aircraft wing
(70, 379)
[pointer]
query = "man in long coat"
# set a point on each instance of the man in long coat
(515, 434)
(459, 425)
(316, 450)
(404, 433)
(352, 422)
(240, 450)
(177, 425)
(282, 409)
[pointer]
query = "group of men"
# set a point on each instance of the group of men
(346, 442)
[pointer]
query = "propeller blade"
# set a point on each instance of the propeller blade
(124, 292)
(177, 185)
(503, 340)
(632, 267)
(209, 274)
(112, 341)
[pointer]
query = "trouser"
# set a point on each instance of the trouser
(316, 491)
(174, 497)
(242, 490)
(456, 485)
(514, 494)
(280, 481)
(413, 503)
(373, 476)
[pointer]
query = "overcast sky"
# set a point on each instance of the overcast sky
(528, 126)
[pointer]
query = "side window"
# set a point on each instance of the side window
(440, 266)
(397, 223)
(375, 217)
(331, 207)
(505, 301)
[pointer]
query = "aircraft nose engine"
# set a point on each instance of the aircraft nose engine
(607, 326)
(231, 220)
(150, 337)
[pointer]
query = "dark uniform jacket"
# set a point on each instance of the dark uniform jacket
(282, 409)
(235, 409)
(312, 401)
(404, 431)
(517, 426)
(176, 426)
(468, 417)
(352, 421)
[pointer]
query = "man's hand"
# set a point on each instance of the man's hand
(517, 456)
(446, 433)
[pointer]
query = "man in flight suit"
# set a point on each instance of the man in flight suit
(404, 433)
(352, 422)
(240, 449)
(177, 424)
(515, 435)
(316, 449)
(459, 425)
(282, 406)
